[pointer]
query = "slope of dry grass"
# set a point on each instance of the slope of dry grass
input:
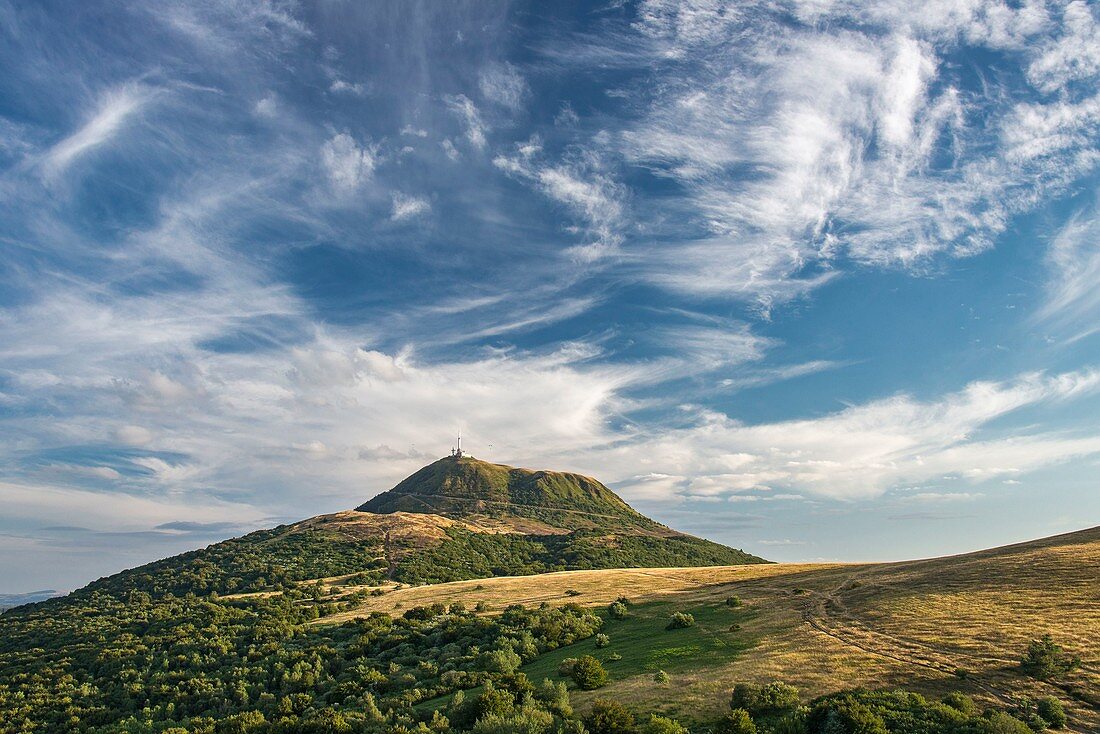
(828, 627)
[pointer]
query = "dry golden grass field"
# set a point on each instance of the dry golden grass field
(954, 623)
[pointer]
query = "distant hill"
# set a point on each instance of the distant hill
(457, 518)
(7, 601)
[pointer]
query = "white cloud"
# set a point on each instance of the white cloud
(1073, 54)
(864, 450)
(408, 207)
(1073, 295)
(842, 135)
(581, 186)
(504, 85)
(464, 107)
(348, 163)
(340, 86)
(114, 109)
(268, 106)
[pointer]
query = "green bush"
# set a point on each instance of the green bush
(588, 673)
(737, 721)
(1044, 659)
(962, 703)
(680, 620)
(617, 610)
(609, 717)
(734, 601)
(602, 640)
(773, 699)
(661, 677)
(1051, 711)
(662, 725)
(999, 722)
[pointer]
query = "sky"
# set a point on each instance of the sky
(815, 279)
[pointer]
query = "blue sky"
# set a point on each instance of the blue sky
(814, 279)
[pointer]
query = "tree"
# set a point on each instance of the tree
(555, 697)
(846, 715)
(501, 661)
(745, 696)
(737, 721)
(1051, 711)
(1045, 659)
(588, 673)
(617, 610)
(609, 717)
(776, 698)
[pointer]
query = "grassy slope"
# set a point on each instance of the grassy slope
(829, 627)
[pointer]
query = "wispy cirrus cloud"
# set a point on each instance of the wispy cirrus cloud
(1072, 302)
(114, 109)
(805, 144)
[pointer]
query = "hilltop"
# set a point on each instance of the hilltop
(463, 487)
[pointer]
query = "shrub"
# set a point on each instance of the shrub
(661, 677)
(617, 610)
(999, 722)
(529, 720)
(962, 703)
(501, 661)
(776, 698)
(845, 714)
(572, 592)
(609, 717)
(734, 601)
(773, 700)
(680, 620)
(745, 696)
(1051, 711)
(588, 673)
(602, 640)
(1045, 659)
(737, 721)
(555, 698)
(662, 725)
(565, 667)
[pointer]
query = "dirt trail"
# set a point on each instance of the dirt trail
(827, 613)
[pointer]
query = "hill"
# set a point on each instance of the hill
(457, 518)
(957, 623)
(922, 646)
